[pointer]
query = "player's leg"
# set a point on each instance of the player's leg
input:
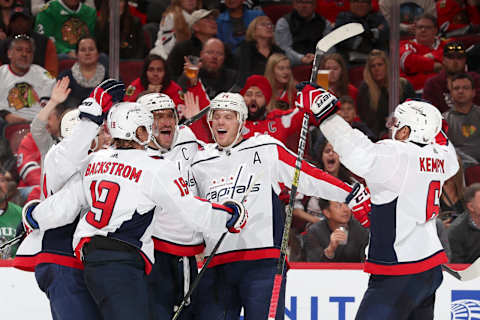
(118, 283)
(67, 292)
(217, 298)
(432, 281)
(166, 284)
(256, 286)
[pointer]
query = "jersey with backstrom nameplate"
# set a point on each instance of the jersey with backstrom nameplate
(256, 166)
(121, 188)
(170, 232)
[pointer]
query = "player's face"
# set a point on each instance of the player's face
(87, 52)
(282, 71)
(103, 141)
(338, 212)
(378, 69)
(164, 123)
(21, 55)
(347, 112)
(254, 99)
(225, 127)
(155, 72)
(330, 160)
(462, 91)
(335, 70)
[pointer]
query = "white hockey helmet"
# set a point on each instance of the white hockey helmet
(423, 119)
(158, 101)
(232, 102)
(125, 118)
(69, 120)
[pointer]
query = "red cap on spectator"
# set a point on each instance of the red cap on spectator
(262, 83)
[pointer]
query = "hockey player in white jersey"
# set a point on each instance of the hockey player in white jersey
(50, 254)
(121, 187)
(176, 243)
(242, 271)
(405, 177)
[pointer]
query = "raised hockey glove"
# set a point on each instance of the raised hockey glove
(29, 223)
(358, 200)
(239, 216)
(316, 100)
(107, 93)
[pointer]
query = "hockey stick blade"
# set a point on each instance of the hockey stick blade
(13, 241)
(338, 35)
(470, 273)
(191, 120)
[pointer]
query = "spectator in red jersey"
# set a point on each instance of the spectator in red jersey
(457, 17)
(154, 78)
(338, 82)
(279, 73)
(409, 10)
(437, 88)
(421, 57)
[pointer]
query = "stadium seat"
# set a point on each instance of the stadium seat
(14, 134)
(276, 10)
(302, 72)
(130, 70)
(355, 75)
(467, 40)
(65, 64)
(472, 175)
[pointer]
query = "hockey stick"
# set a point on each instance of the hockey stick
(191, 120)
(212, 254)
(472, 272)
(338, 35)
(13, 241)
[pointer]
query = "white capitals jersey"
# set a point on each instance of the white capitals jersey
(121, 189)
(62, 161)
(257, 165)
(23, 95)
(405, 182)
(170, 233)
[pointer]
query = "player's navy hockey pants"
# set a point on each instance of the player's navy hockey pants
(67, 292)
(166, 283)
(118, 283)
(403, 297)
(226, 288)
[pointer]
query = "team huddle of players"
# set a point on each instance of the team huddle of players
(117, 235)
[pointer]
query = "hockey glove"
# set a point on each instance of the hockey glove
(29, 223)
(358, 200)
(316, 100)
(107, 93)
(239, 216)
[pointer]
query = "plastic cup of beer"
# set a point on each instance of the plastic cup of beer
(192, 70)
(322, 78)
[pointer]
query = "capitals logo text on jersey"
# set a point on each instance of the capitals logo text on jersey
(226, 188)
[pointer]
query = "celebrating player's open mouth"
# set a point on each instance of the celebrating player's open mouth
(225, 127)
(164, 127)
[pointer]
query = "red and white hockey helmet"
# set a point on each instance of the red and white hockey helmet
(69, 120)
(125, 118)
(158, 101)
(423, 119)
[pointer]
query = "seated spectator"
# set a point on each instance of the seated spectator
(421, 58)
(25, 86)
(409, 10)
(330, 9)
(10, 218)
(464, 120)
(279, 74)
(175, 26)
(21, 22)
(293, 32)
(464, 233)
(234, 21)
(372, 103)
(457, 17)
(348, 112)
(338, 82)
(436, 89)
(132, 40)
(337, 238)
(66, 21)
(86, 73)
(213, 74)
(155, 78)
(258, 46)
(203, 27)
(375, 36)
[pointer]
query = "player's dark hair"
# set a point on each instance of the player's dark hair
(146, 64)
(464, 75)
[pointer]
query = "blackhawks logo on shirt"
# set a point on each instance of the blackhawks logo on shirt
(468, 130)
(73, 29)
(130, 90)
(22, 95)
